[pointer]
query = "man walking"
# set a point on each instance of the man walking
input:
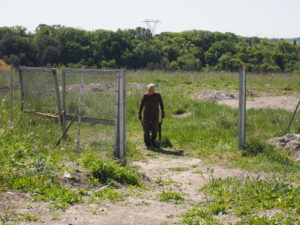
(150, 103)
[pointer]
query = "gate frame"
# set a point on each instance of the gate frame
(120, 130)
(55, 82)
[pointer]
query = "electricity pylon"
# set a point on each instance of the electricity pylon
(151, 24)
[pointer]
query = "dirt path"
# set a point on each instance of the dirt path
(166, 173)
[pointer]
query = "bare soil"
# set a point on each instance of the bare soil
(214, 96)
(136, 85)
(92, 87)
(173, 172)
(98, 87)
(289, 142)
(167, 172)
(286, 102)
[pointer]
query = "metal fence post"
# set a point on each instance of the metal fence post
(63, 100)
(79, 109)
(21, 89)
(117, 129)
(11, 94)
(242, 107)
(122, 106)
(58, 98)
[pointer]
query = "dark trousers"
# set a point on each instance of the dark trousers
(150, 125)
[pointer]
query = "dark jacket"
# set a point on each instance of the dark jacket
(151, 103)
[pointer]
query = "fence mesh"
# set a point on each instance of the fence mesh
(275, 95)
(94, 100)
(4, 94)
(9, 89)
(38, 90)
(98, 95)
(94, 93)
(4, 85)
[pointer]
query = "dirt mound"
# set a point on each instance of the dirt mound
(93, 87)
(265, 101)
(136, 85)
(214, 96)
(75, 177)
(289, 141)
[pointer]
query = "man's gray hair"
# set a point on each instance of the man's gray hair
(151, 86)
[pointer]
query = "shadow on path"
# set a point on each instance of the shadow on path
(166, 152)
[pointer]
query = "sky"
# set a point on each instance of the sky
(261, 18)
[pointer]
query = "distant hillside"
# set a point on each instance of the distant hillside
(297, 39)
(138, 48)
(293, 39)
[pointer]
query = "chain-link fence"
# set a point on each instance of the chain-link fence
(96, 100)
(274, 97)
(39, 90)
(267, 94)
(5, 94)
(89, 105)
(9, 85)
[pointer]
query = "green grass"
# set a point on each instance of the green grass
(170, 196)
(211, 132)
(28, 217)
(104, 193)
(277, 219)
(30, 161)
(199, 216)
(178, 169)
(259, 194)
(55, 216)
(244, 198)
(29, 164)
(162, 182)
(23, 217)
(109, 172)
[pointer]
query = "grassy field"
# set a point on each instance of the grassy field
(211, 132)
(30, 161)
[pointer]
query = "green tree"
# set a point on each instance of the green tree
(217, 50)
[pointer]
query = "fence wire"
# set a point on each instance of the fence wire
(99, 95)
(9, 89)
(275, 95)
(89, 104)
(38, 90)
(94, 105)
(4, 94)
(4, 85)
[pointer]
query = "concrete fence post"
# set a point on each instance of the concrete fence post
(242, 107)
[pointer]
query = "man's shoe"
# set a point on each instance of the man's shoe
(148, 145)
(155, 144)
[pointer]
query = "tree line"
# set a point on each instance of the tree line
(194, 50)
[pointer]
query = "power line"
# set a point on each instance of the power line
(151, 24)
